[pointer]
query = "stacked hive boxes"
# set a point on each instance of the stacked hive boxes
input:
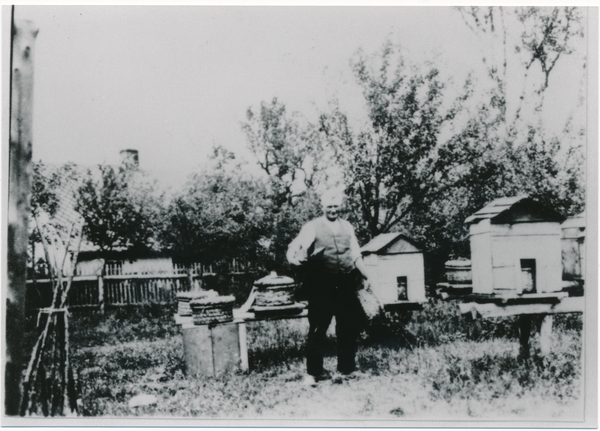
(211, 340)
(515, 248)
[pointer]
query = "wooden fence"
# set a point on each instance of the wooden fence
(110, 290)
(161, 266)
(122, 290)
(126, 284)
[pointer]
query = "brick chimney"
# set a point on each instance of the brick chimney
(130, 158)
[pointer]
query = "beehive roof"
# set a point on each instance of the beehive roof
(383, 241)
(514, 209)
(577, 220)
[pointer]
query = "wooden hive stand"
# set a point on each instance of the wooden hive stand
(524, 306)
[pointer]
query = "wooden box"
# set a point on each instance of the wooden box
(515, 248)
(573, 248)
(396, 264)
(211, 351)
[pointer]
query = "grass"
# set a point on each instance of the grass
(432, 364)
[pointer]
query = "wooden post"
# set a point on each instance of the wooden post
(546, 335)
(101, 293)
(243, 346)
(19, 190)
(524, 330)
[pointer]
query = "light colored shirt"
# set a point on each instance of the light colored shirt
(299, 246)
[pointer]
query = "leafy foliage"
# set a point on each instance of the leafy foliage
(223, 214)
(286, 148)
(290, 151)
(119, 207)
(389, 166)
(426, 160)
(47, 185)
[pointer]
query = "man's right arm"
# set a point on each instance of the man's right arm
(296, 253)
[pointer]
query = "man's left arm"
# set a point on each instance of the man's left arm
(357, 256)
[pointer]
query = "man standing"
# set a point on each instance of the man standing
(328, 248)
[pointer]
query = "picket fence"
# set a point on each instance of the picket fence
(234, 266)
(115, 288)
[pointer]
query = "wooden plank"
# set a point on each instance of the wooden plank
(244, 364)
(403, 306)
(546, 335)
(252, 317)
(197, 349)
(225, 347)
(19, 209)
(75, 279)
(250, 300)
(143, 276)
(513, 298)
(454, 286)
(566, 305)
(524, 332)
(121, 297)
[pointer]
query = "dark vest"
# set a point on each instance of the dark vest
(331, 251)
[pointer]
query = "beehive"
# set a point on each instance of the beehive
(396, 264)
(459, 272)
(210, 310)
(184, 298)
(573, 247)
(515, 247)
(274, 291)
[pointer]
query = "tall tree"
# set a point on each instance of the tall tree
(390, 164)
(426, 161)
(287, 148)
(528, 44)
(523, 47)
(291, 151)
(119, 206)
(223, 213)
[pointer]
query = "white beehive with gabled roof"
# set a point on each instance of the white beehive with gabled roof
(395, 262)
(515, 247)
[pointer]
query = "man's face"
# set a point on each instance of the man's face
(331, 211)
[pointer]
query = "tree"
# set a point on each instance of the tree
(287, 148)
(291, 151)
(523, 47)
(390, 166)
(425, 161)
(428, 155)
(52, 203)
(222, 214)
(119, 207)
(529, 42)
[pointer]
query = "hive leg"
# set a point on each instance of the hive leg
(524, 329)
(546, 335)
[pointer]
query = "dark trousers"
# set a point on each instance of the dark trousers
(332, 295)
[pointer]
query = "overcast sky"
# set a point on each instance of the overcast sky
(172, 82)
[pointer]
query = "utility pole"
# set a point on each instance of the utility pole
(23, 36)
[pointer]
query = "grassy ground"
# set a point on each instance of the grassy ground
(433, 365)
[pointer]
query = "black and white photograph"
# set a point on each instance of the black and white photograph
(277, 215)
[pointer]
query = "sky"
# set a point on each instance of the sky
(172, 82)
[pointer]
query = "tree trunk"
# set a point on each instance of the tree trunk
(21, 99)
